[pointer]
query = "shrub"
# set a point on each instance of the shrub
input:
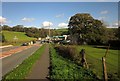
(2, 38)
(69, 52)
(63, 69)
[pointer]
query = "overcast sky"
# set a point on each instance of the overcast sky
(56, 14)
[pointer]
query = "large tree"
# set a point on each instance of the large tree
(88, 29)
(6, 27)
(118, 33)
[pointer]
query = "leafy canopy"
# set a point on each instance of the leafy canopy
(87, 28)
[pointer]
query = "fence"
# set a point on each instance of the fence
(95, 64)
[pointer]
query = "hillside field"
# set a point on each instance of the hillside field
(16, 38)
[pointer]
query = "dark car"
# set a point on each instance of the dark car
(24, 44)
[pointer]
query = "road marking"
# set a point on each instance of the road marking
(14, 51)
(6, 46)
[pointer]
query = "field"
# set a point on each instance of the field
(94, 58)
(62, 30)
(16, 38)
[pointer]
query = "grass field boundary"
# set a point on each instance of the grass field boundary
(94, 60)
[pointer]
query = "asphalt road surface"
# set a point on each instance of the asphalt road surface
(9, 48)
(14, 60)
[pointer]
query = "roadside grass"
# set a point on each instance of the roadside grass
(20, 38)
(94, 59)
(64, 69)
(24, 68)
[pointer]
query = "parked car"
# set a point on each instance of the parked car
(24, 44)
(34, 41)
(65, 42)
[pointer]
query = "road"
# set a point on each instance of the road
(14, 60)
(9, 48)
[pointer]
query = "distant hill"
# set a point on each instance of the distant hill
(16, 37)
(62, 29)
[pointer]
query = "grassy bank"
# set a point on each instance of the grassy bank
(16, 38)
(62, 69)
(24, 68)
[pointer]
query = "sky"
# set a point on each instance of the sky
(56, 14)
(59, 0)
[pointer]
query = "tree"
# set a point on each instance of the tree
(2, 37)
(18, 28)
(118, 33)
(6, 27)
(87, 29)
(112, 33)
(43, 32)
(0, 28)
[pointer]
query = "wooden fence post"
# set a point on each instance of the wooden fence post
(107, 51)
(104, 69)
(86, 64)
(104, 64)
(83, 61)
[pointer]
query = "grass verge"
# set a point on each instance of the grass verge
(23, 69)
(64, 69)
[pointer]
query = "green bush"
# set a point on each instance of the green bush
(69, 52)
(64, 69)
(2, 38)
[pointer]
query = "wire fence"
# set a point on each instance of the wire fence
(95, 64)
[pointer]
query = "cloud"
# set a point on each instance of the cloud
(59, 15)
(47, 23)
(69, 19)
(28, 19)
(2, 20)
(104, 12)
(63, 25)
(118, 23)
(102, 18)
(115, 24)
(30, 26)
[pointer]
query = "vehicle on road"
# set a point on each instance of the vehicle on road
(25, 44)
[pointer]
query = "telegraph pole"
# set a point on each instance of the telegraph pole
(49, 32)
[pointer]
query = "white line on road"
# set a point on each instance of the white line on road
(6, 46)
